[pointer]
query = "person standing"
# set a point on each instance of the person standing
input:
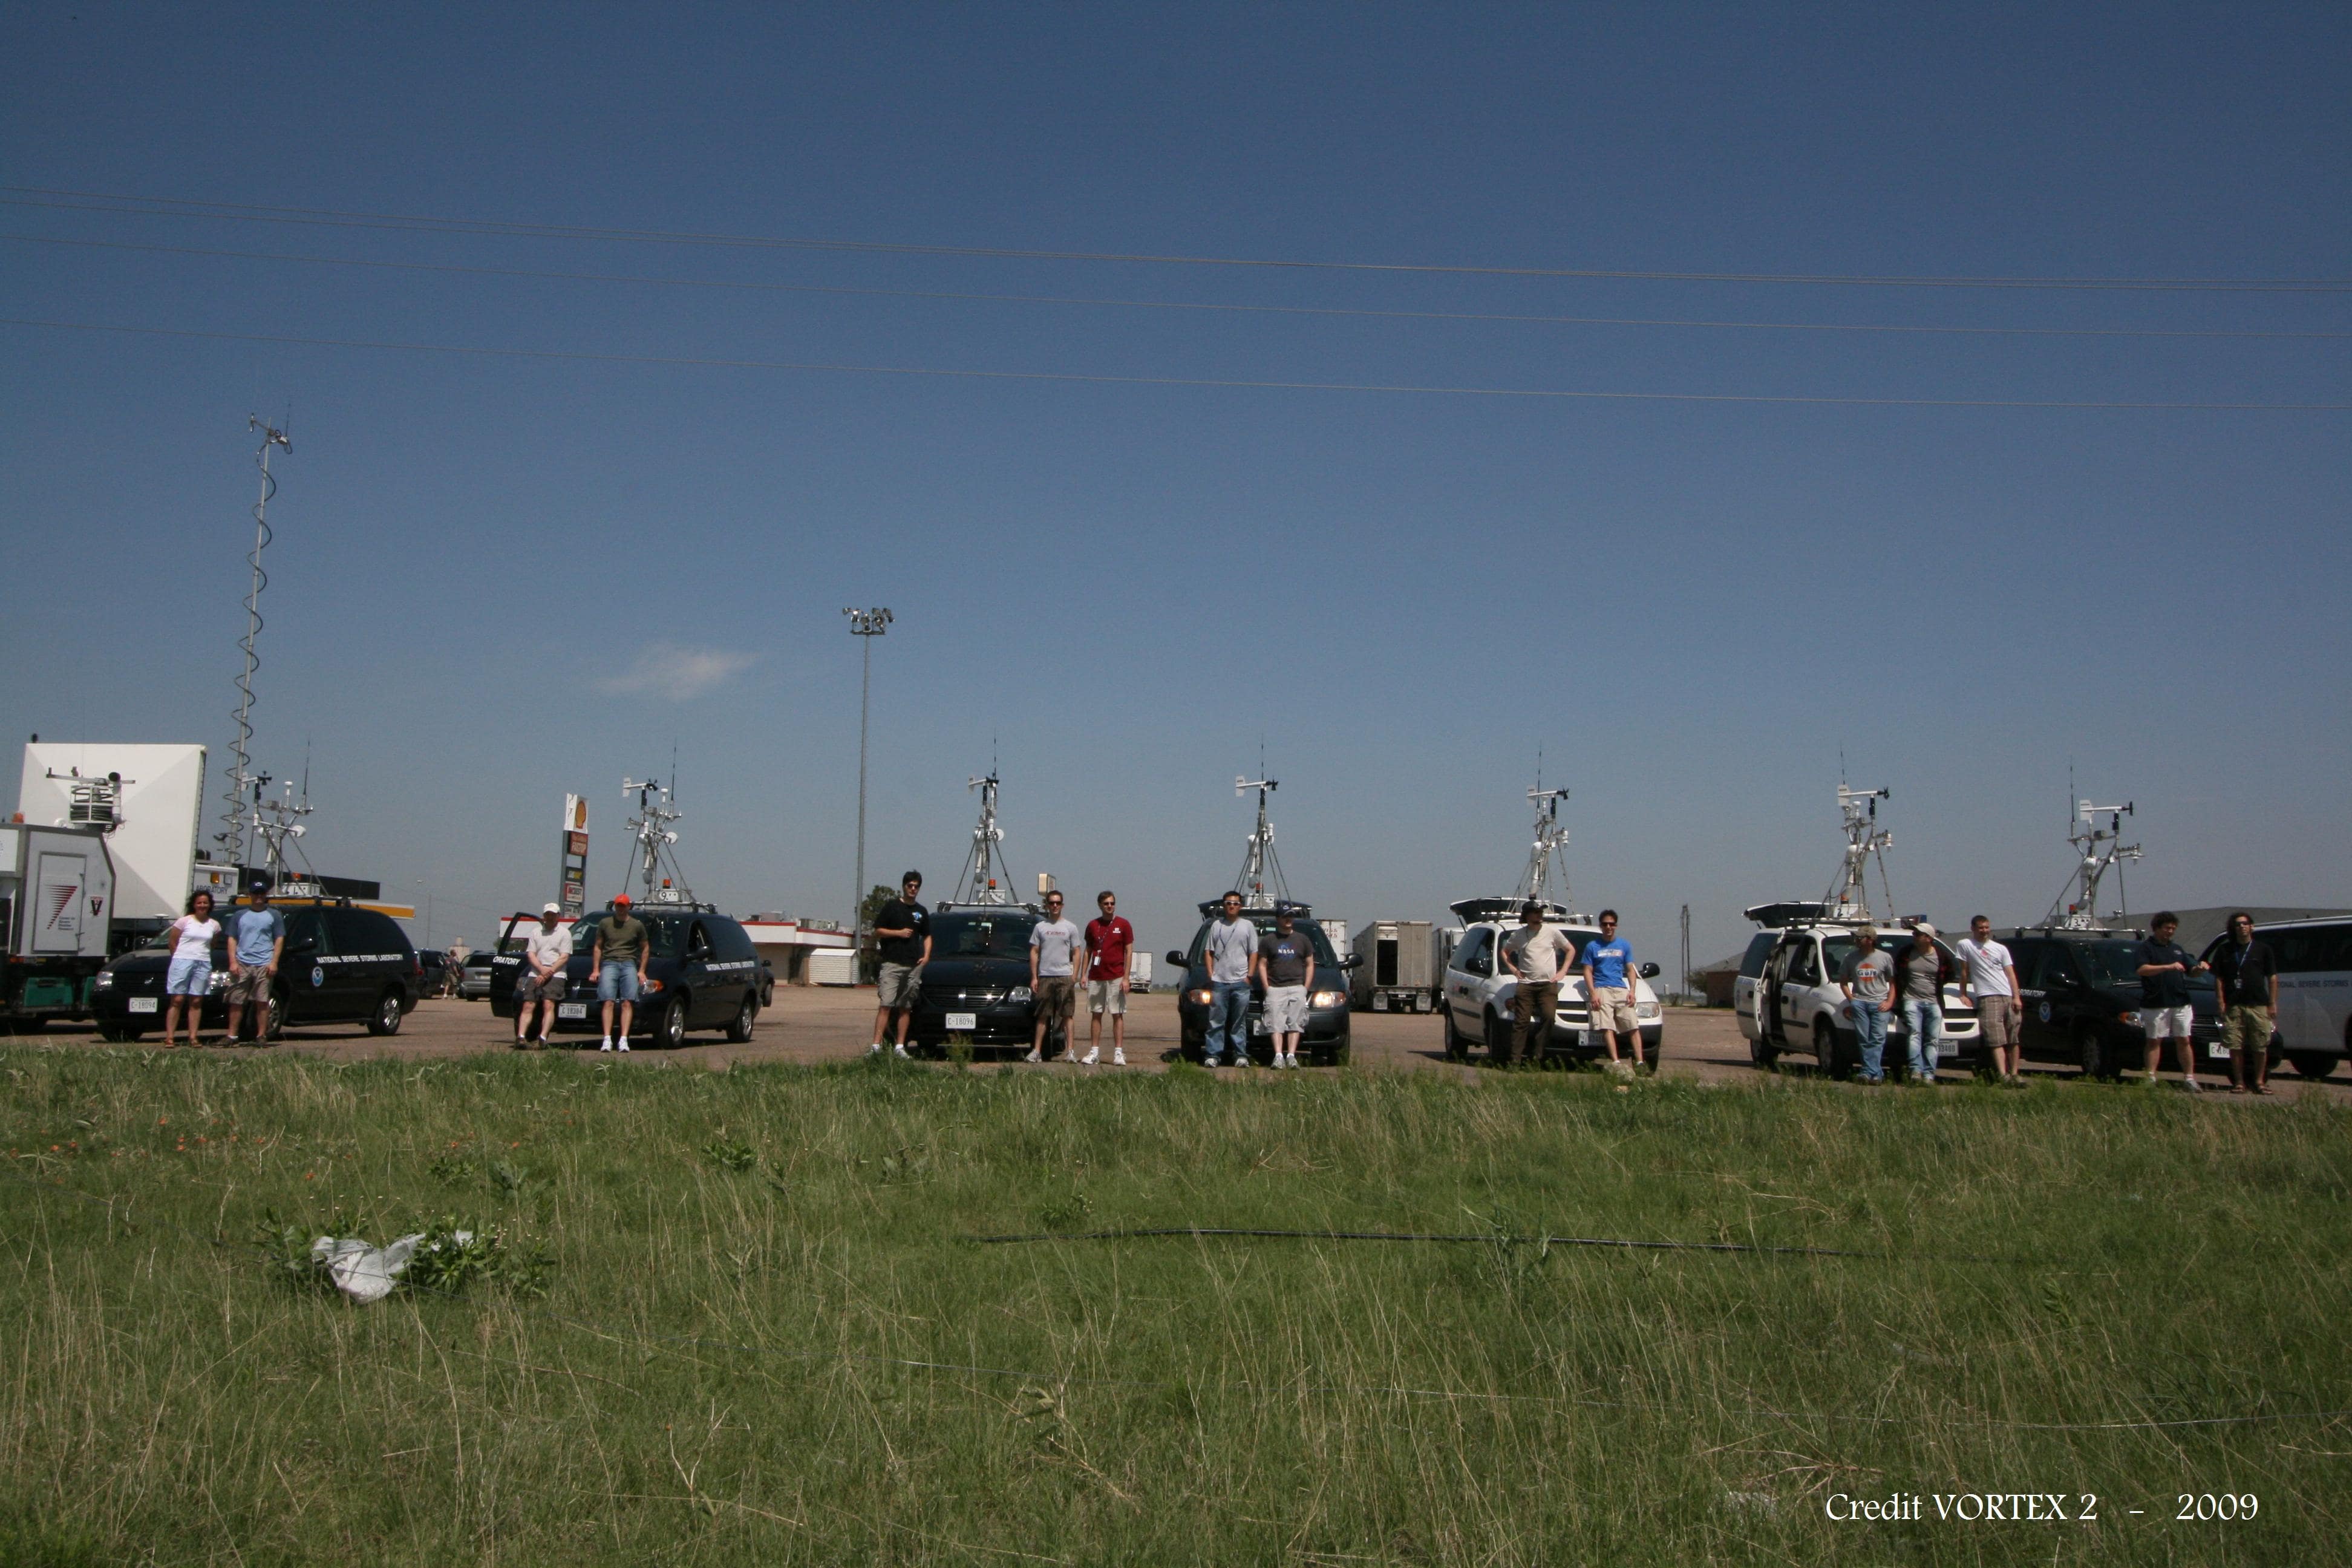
(2165, 1013)
(902, 928)
(1921, 972)
(1285, 966)
(1609, 976)
(617, 957)
(1109, 938)
(1867, 979)
(1055, 943)
(1231, 950)
(1991, 986)
(189, 974)
(2247, 972)
(1535, 954)
(257, 941)
(545, 953)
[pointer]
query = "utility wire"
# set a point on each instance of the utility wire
(178, 206)
(455, 269)
(814, 366)
(1487, 1240)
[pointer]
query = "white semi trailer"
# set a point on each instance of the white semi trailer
(1394, 973)
(147, 801)
(57, 897)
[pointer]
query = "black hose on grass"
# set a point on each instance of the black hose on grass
(1489, 1239)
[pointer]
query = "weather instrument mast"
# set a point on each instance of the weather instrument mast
(2097, 849)
(984, 872)
(1849, 895)
(1544, 855)
(243, 793)
(656, 841)
(1258, 860)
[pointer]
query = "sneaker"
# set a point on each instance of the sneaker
(1093, 1057)
(607, 1045)
(1033, 1057)
(902, 1053)
(2192, 1086)
(874, 1049)
(621, 1044)
(1118, 1058)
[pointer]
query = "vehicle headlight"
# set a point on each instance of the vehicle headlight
(104, 980)
(1199, 998)
(1019, 993)
(219, 981)
(2130, 1019)
(1646, 1010)
(1327, 999)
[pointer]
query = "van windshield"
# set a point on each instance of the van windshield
(975, 935)
(2116, 963)
(1324, 957)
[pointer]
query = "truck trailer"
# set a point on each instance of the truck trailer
(1393, 972)
(56, 898)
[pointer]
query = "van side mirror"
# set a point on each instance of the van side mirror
(1177, 959)
(1353, 961)
(1650, 971)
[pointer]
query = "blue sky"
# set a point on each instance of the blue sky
(498, 579)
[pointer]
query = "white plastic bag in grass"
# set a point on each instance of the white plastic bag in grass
(361, 1272)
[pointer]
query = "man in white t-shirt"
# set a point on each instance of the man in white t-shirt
(546, 953)
(1055, 943)
(1534, 954)
(1990, 982)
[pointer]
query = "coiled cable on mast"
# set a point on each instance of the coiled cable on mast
(240, 750)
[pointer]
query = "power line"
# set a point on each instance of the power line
(179, 207)
(458, 269)
(814, 366)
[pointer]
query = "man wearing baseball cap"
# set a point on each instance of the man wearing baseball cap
(618, 961)
(545, 953)
(1921, 972)
(257, 941)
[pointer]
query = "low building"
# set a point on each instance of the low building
(804, 953)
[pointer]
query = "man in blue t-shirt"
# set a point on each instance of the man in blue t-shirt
(1608, 990)
(257, 940)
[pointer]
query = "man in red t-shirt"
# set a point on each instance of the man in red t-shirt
(1108, 938)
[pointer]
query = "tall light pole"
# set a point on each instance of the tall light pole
(868, 625)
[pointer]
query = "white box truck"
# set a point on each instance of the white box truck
(148, 802)
(1139, 970)
(1393, 972)
(57, 900)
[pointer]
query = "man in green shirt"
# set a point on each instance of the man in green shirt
(618, 962)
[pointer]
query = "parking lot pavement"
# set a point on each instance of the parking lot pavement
(822, 1023)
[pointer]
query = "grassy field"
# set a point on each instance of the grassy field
(767, 1336)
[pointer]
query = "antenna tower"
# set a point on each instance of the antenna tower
(241, 780)
(1550, 838)
(1849, 895)
(984, 872)
(1259, 860)
(2097, 849)
(655, 839)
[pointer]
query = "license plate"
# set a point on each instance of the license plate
(2220, 1052)
(143, 1004)
(964, 1020)
(571, 1009)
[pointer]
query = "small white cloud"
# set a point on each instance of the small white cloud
(665, 670)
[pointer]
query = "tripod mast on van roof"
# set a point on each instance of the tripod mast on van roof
(1258, 859)
(656, 841)
(2096, 850)
(1550, 839)
(1849, 895)
(984, 871)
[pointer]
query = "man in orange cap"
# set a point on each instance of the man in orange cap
(618, 962)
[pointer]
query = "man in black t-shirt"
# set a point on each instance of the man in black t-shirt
(903, 930)
(2247, 972)
(2165, 1014)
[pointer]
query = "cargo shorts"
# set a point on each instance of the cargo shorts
(1057, 998)
(250, 983)
(895, 985)
(1612, 1009)
(1997, 1020)
(2247, 1029)
(1106, 996)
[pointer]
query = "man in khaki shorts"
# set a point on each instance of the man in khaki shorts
(1991, 985)
(1055, 943)
(1608, 990)
(257, 941)
(1109, 940)
(2247, 972)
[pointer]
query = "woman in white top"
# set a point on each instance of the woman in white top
(191, 971)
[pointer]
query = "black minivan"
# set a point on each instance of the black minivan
(342, 965)
(1327, 1040)
(702, 972)
(2082, 995)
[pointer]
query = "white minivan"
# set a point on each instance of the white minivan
(2315, 991)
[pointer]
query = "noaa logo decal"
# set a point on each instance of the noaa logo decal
(317, 974)
(2045, 1012)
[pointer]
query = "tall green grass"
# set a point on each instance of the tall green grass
(769, 1338)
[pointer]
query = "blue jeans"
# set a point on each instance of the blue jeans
(1869, 1028)
(1925, 1019)
(617, 982)
(1228, 1021)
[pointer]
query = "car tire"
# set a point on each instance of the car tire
(1457, 1049)
(279, 997)
(1829, 1057)
(670, 1032)
(2312, 1064)
(386, 1019)
(739, 1031)
(2091, 1054)
(1498, 1038)
(1763, 1054)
